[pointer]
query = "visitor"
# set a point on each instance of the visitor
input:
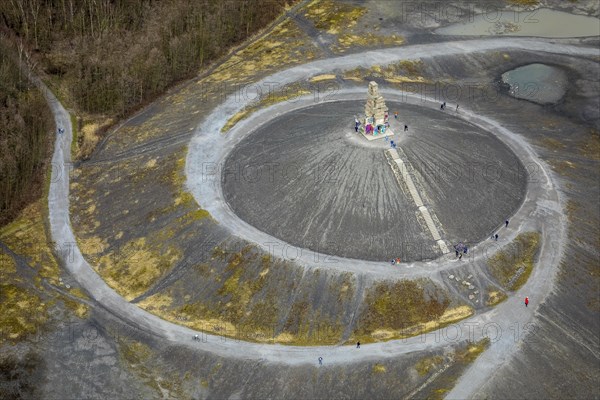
(441, 106)
(405, 128)
(457, 107)
(320, 360)
(358, 345)
(526, 301)
(393, 261)
(356, 127)
(496, 236)
(396, 115)
(506, 222)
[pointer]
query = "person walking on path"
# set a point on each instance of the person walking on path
(496, 236)
(405, 128)
(396, 115)
(457, 107)
(526, 301)
(506, 222)
(320, 360)
(358, 345)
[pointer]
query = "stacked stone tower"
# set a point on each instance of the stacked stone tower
(375, 106)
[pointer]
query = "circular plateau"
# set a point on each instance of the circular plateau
(307, 178)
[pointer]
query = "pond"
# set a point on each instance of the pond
(539, 83)
(542, 22)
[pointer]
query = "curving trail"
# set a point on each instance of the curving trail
(543, 203)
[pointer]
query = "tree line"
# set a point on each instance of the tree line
(117, 54)
(109, 57)
(25, 120)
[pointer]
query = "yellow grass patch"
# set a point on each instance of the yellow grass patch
(495, 297)
(286, 93)
(511, 267)
(88, 137)
(450, 316)
(285, 45)
(151, 163)
(332, 16)
(425, 365)
(379, 369)
(21, 312)
(284, 337)
(92, 245)
(135, 267)
(370, 39)
(26, 235)
(405, 79)
(320, 78)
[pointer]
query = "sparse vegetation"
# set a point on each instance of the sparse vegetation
(495, 297)
(134, 268)
(285, 45)
(286, 93)
(425, 365)
(397, 73)
(590, 147)
(461, 358)
(25, 304)
(524, 2)
(252, 303)
(402, 309)
(379, 369)
(368, 39)
(332, 16)
(511, 267)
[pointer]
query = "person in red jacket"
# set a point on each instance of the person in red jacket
(526, 301)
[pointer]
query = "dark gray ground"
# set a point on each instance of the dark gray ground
(308, 179)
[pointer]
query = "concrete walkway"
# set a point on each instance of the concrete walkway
(404, 176)
(506, 324)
